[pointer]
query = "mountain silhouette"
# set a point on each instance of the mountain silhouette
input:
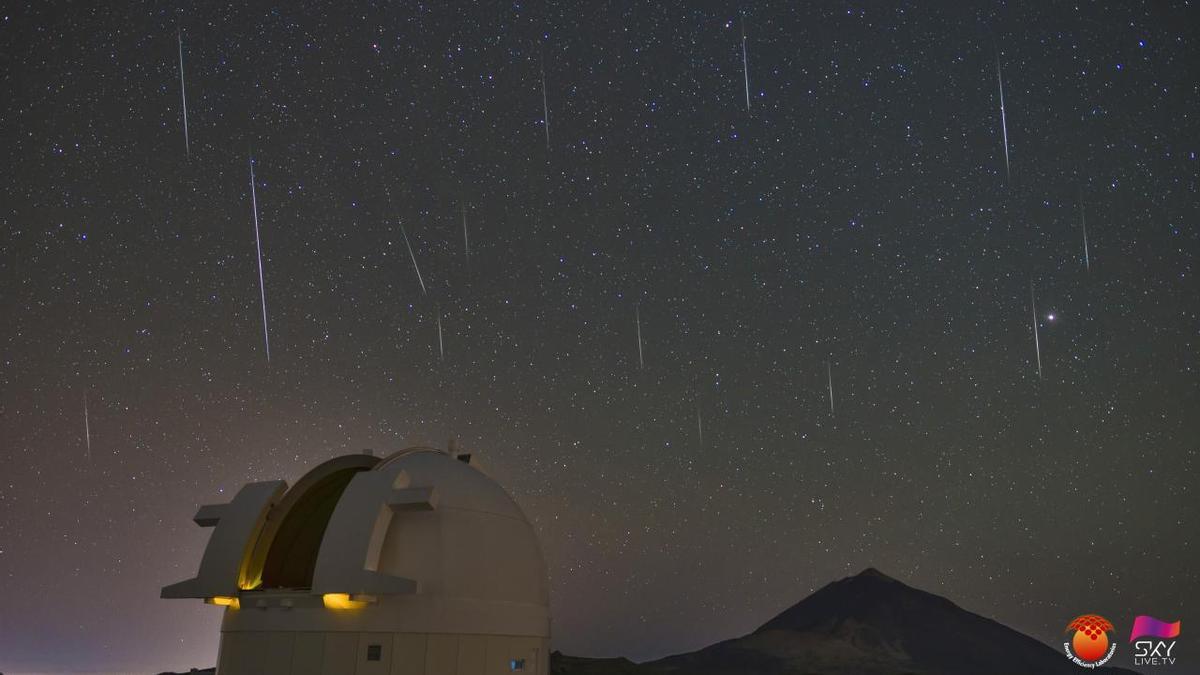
(867, 624)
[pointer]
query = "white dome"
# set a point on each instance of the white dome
(403, 553)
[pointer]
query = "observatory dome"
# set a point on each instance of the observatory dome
(417, 563)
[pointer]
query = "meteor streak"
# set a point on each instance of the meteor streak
(637, 313)
(745, 64)
(1087, 260)
(829, 372)
(1003, 119)
(545, 105)
(441, 346)
(1036, 343)
(414, 260)
(466, 240)
(187, 143)
(87, 427)
(262, 288)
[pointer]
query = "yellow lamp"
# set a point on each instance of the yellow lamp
(341, 601)
(225, 601)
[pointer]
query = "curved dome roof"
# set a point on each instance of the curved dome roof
(420, 541)
(474, 542)
(460, 484)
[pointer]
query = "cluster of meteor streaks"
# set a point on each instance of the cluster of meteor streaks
(546, 129)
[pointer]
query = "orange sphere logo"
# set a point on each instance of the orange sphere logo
(1089, 643)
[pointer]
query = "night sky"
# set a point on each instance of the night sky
(857, 221)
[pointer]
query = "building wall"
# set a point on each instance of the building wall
(368, 653)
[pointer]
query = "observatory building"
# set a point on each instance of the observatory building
(415, 564)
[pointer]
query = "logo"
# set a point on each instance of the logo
(1089, 646)
(1153, 652)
